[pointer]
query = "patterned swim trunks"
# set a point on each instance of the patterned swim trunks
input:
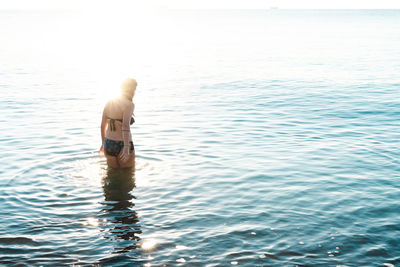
(113, 148)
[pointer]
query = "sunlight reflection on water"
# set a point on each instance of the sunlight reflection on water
(148, 245)
(91, 222)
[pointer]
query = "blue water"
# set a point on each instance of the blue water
(263, 138)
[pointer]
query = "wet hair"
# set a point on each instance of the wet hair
(128, 88)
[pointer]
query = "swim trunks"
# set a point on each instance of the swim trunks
(113, 148)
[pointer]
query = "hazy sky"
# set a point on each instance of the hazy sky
(52, 4)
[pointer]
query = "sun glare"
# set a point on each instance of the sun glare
(91, 222)
(112, 43)
(148, 245)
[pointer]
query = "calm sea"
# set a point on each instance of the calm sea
(263, 138)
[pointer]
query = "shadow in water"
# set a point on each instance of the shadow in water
(122, 223)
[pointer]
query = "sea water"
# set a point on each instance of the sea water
(262, 138)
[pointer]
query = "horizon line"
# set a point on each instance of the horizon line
(192, 9)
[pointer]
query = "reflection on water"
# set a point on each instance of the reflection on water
(119, 217)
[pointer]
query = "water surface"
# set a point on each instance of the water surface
(262, 138)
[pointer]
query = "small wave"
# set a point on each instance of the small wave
(18, 241)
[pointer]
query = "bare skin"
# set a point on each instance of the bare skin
(119, 108)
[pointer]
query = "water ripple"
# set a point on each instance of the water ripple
(273, 155)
